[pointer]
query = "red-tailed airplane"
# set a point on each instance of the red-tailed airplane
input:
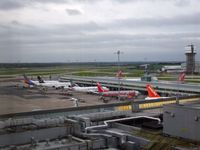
(124, 93)
(152, 94)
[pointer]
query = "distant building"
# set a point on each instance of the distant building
(144, 66)
(173, 69)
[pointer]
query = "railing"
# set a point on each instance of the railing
(158, 103)
(122, 106)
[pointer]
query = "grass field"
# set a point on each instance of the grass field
(87, 70)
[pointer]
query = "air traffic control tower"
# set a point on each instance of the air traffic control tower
(190, 59)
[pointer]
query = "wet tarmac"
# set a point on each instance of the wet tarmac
(14, 97)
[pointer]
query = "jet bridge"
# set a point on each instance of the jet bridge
(162, 87)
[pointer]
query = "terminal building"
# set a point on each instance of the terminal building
(173, 69)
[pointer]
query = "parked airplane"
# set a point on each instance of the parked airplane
(152, 94)
(41, 82)
(88, 89)
(124, 93)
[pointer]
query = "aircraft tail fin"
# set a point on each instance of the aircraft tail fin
(40, 79)
(25, 77)
(119, 74)
(72, 84)
(151, 91)
(181, 77)
(100, 88)
(27, 80)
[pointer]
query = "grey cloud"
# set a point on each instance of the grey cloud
(78, 36)
(16, 31)
(178, 3)
(182, 20)
(17, 4)
(49, 1)
(125, 1)
(11, 4)
(73, 12)
(87, 33)
(85, 1)
(89, 27)
(135, 47)
(16, 28)
(15, 22)
(182, 2)
(66, 1)
(87, 38)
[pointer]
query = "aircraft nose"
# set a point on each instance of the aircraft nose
(137, 93)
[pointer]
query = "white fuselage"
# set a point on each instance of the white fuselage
(128, 93)
(55, 84)
(86, 89)
(133, 79)
(154, 98)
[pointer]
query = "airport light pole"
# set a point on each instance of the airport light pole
(118, 60)
(178, 93)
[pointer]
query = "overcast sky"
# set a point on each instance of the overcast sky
(92, 30)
